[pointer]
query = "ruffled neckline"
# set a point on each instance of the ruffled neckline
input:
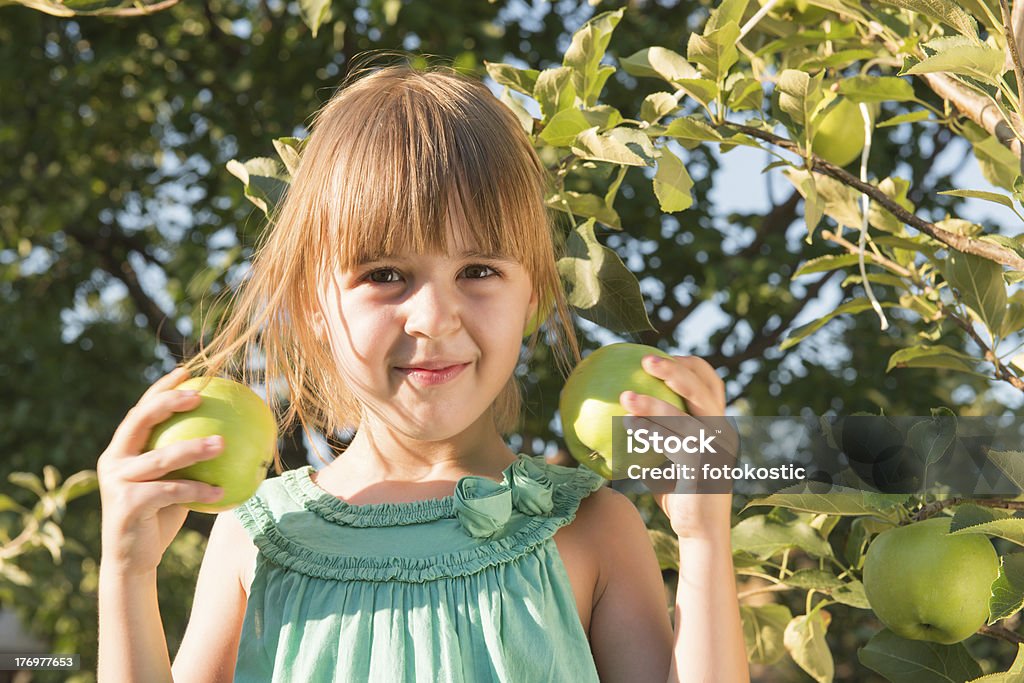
(481, 505)
(545, 496)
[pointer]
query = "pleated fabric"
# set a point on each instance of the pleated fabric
(463, 589)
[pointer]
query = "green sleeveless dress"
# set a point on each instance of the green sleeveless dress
(467, 588)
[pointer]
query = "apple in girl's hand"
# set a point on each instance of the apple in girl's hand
(243, 420)
(590, 399)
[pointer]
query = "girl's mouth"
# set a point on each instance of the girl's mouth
(432, 377)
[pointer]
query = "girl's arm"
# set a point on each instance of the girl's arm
(209, 647)
(132, 646)
(141, 514)
(708, 631)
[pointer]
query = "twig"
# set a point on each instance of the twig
(1001, 633)
(879, 259)
(1001, 372)
(988, 250)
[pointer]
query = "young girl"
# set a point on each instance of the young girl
(391, 296)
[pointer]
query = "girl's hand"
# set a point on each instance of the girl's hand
(693, 515)
(141, 515)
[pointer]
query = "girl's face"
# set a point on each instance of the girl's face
(426, 342)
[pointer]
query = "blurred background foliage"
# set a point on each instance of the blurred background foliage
(117, 215)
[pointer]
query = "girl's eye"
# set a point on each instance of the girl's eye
(479, 271)
(382, 275)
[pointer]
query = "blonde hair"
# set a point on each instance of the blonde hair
(385, 156)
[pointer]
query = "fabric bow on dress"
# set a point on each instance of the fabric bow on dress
(484, 506)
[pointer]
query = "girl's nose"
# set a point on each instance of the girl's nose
(431, 312)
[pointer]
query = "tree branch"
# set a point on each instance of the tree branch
(1011, 47)
(988, 250)
(122, 269)
(976, 108)
(1001, 633)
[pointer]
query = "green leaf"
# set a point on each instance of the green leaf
(998, 164)
(977, 61)
(1008, 590)
(587, 50)
(745, 94)
(657, 105)
(931, 438)
(763, 628)
(587, 206)
(79, 484)
(982, 194)
(916, 661)
(520, 80)
(599, 285)
(839, 201)
(715, 53)
(909, 117)
(691, 131)
(805, 641)
(700, 89)
(974, 519)
(945, 11)
(852, 306)
(814, 207)
(672, 183)
(554, 91)
(314, 13)
(815, 579)
(264, 179)
(800, 94)
(831, 262)
(852, 594)
(525, 118)
(1013, 321)
(851, 503)
(27, 480)
(597, 147)
(980, 286)
(764, 538)
(876, 89)
(562, 129)
(837, 60)
(1011, 463)
(935, 356)
(659, 62)
(726, 12)
(289, 149)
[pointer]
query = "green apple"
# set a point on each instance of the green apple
(590, 399)
(840, 135)
(247, 425)
(927, 585)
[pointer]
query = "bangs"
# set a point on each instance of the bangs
(406, 156)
